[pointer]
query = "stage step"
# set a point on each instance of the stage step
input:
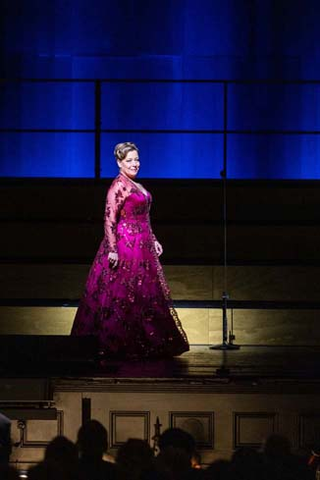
(268, 326)
(188, 282)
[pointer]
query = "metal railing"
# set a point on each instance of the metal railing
(98, 130)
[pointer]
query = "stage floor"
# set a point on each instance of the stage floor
(253, 362)
(202, 362)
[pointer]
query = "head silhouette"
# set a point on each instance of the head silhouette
(277, 446)
(177, 438)
(92, 439)
(134, 457)
(61, 450)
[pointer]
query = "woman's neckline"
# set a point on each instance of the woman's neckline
(137, 185)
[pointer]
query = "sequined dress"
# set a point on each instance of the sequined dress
(129, 307)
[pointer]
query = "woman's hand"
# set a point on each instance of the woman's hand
(113, 259)
(158, 248)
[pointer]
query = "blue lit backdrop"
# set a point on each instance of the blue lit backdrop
(181, 39)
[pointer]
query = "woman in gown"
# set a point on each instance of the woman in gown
(126, 301)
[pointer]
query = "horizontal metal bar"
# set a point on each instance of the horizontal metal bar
(162, 131)
(273, 132)
(38, 412)
(28, 403)
(269, 183)
(217, 131)
(46, 130)
(196, 304)
(203, 261)
(267, 81)
(249, 304)
(173, 222)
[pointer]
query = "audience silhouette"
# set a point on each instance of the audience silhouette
(92, 443)
(177, 451)
(60, 461)
(135, 460)
(5, 439)
(6, 472)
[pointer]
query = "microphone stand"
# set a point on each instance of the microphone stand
(225, 345)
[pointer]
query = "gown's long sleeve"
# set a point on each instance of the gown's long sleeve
(116, 196)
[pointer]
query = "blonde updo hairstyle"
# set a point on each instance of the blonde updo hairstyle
(122, 149)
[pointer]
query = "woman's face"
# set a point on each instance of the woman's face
(130, 165)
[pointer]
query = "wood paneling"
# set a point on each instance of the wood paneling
(202, 325)
(204, 242)
(173, 199)
(252, 428)
(199, 424)
(187, 282)
(309, 431)
(37, 433)
(128, 424)
(268, 221)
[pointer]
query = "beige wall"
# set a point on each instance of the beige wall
(221, 416)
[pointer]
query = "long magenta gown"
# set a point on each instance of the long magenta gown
(129, 307)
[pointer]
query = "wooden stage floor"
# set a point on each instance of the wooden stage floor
(202, 363)
(250, 361)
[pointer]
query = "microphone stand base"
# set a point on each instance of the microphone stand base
(225, 346)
